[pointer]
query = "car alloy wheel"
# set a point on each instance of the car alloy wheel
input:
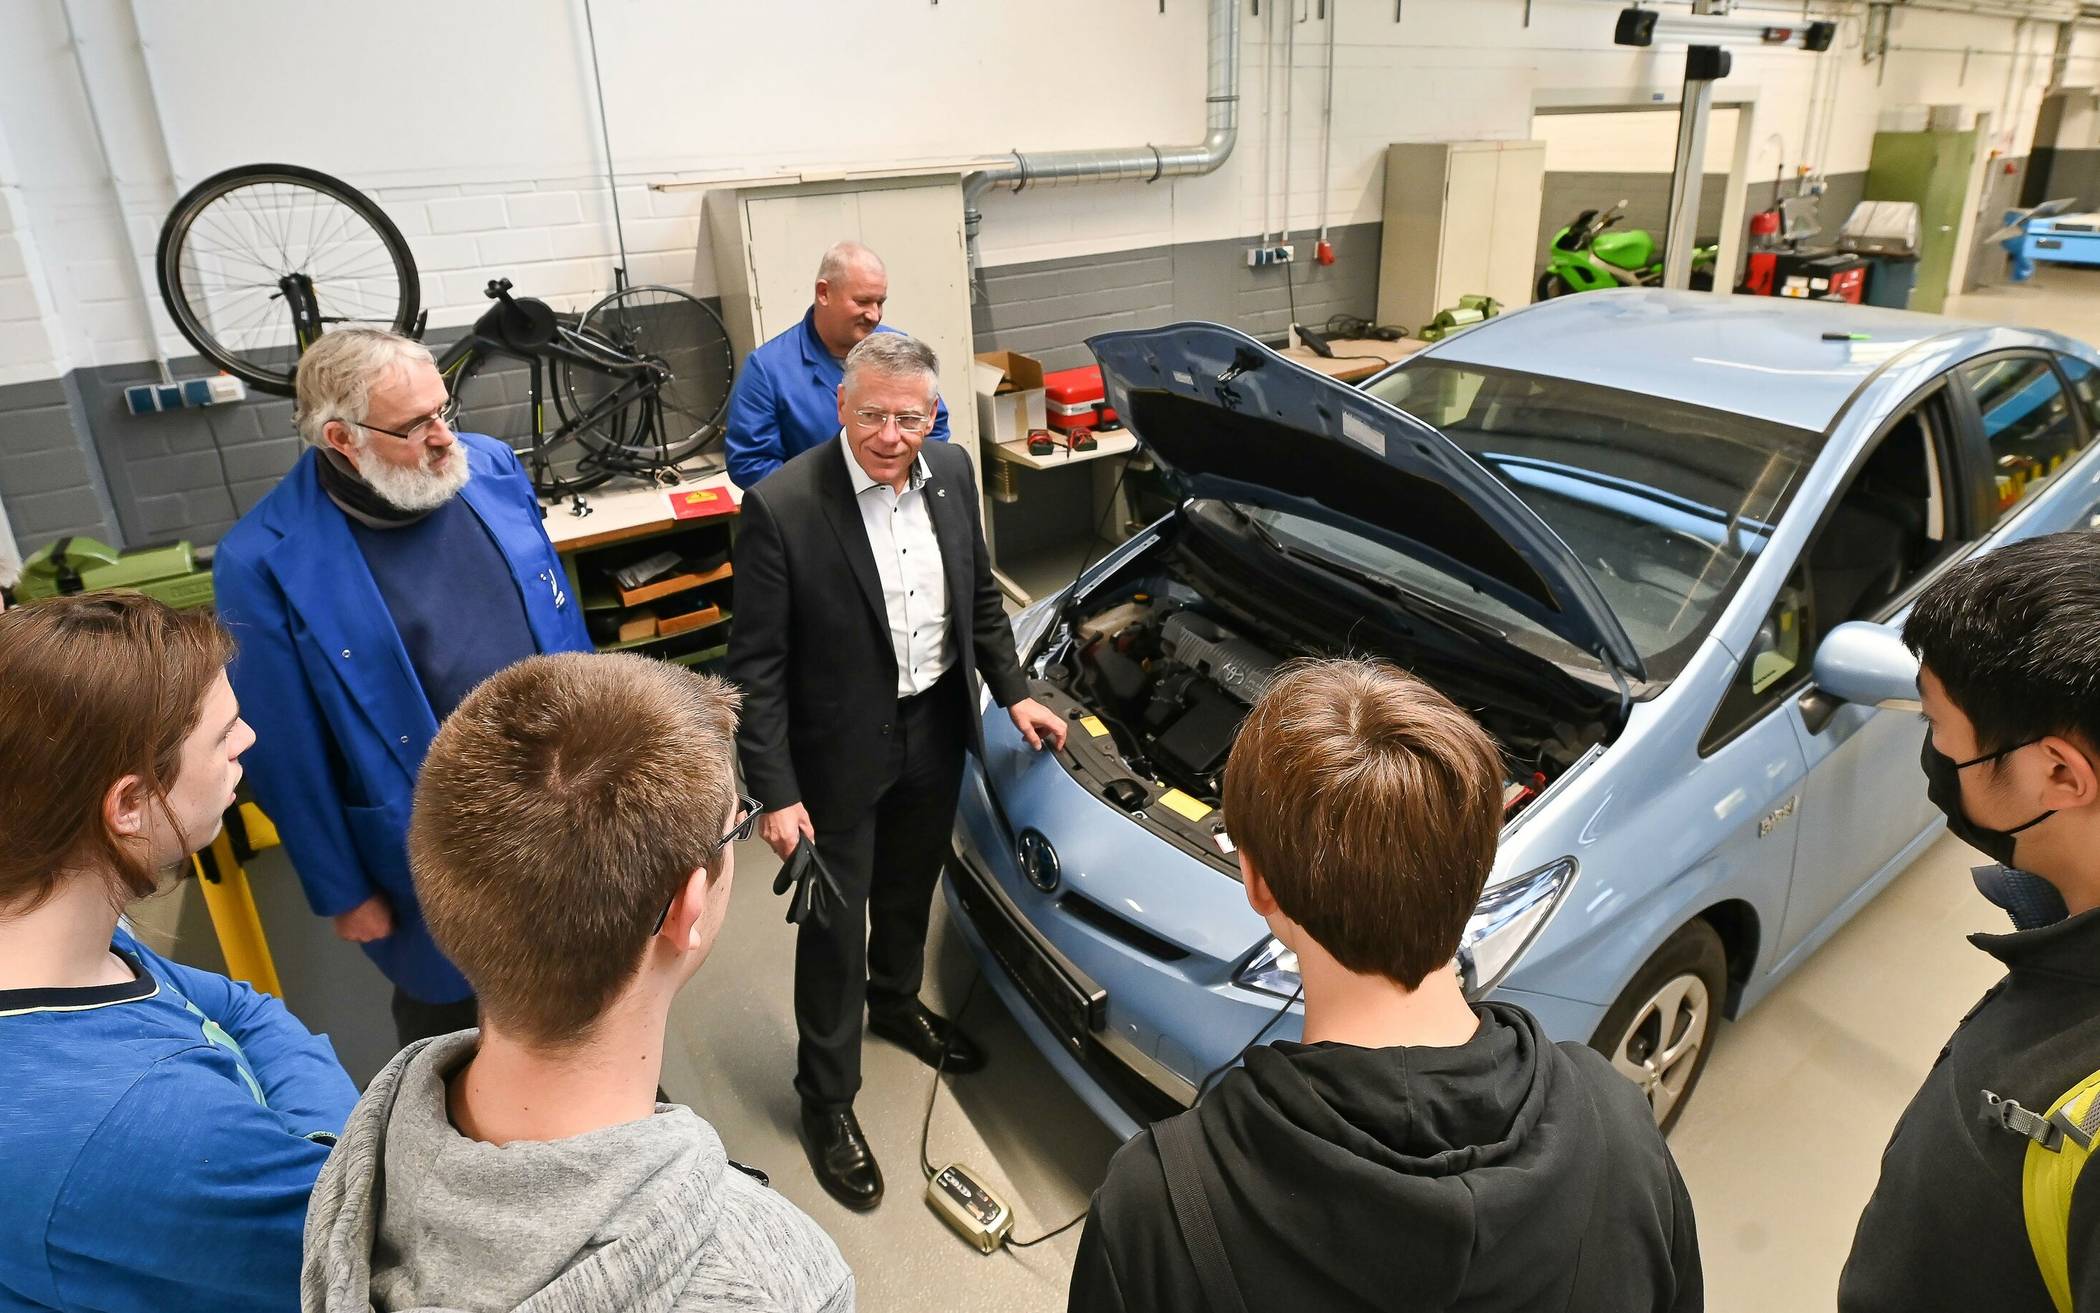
(1660, 1032)
(1660, 1051)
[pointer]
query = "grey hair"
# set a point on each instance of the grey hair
(337, 373)
(897, 355)
(842, 256)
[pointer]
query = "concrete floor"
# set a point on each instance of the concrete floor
(1780, 1145)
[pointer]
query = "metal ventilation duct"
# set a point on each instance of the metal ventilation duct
(1134, 163)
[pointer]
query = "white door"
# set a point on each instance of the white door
(1520, 193)
(1469, 204)
(917, 230)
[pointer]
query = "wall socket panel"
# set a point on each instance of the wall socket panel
(189, 393)
(1260, 257)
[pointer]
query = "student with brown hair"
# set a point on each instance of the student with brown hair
(572, 846)
(160, 1127)
(1415, 1150)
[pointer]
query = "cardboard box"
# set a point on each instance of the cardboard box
(1009, 396)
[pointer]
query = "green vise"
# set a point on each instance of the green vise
(168, 573)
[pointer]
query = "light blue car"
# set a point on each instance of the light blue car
(1657, 541)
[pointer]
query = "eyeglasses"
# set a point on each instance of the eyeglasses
(420, 430)
(748, 810)
(910, 423)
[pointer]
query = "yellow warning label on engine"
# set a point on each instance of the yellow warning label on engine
(1183, 803)
(1093, 726)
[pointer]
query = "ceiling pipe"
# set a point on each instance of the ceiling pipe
(1131, 163)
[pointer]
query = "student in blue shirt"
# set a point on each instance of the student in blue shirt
(786, 397)
(160, 1127)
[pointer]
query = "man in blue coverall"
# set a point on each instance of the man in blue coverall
(786, 398)
(397, 566)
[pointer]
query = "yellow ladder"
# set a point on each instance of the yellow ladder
(231, 902)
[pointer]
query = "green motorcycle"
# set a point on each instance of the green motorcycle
(1586, 257)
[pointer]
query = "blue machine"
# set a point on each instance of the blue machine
(2047, 234)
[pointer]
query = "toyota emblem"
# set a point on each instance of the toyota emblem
(1038, 861)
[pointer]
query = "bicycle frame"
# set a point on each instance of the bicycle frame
(639, 382)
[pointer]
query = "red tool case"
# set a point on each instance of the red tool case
(1069, 397)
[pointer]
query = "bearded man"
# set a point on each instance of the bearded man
(395, 567)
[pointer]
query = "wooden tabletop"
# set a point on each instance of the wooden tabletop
(1116, 442)
(1355, 357)
(629, 512)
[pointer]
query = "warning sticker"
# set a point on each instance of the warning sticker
(1093, 726)
(1181, 802)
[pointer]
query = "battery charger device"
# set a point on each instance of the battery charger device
(971, 1209)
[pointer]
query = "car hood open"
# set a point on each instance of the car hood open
(1226, 417)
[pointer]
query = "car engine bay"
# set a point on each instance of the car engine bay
(1171, 676)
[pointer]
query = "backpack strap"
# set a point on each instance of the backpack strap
(1180, 1143)
(2058, 1145)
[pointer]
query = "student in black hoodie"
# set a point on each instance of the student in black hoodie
(1416, 1150)
(2010, 648)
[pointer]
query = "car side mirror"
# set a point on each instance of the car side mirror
(1868, 664)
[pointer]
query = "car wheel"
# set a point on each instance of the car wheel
(1661, 1030)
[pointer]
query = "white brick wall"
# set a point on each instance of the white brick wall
(492, 172)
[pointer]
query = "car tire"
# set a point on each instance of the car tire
(1660, 1032)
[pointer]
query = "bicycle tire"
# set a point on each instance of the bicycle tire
(183, 254)
(683, 334)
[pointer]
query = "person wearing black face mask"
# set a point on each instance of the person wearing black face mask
(2029, 900)
(2009, 649)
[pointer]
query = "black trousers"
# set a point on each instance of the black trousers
(414, 1019)
(887, 861)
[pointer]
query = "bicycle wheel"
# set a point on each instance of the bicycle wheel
(258, 260)
(677, 332)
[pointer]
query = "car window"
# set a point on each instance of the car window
(1665, 504)
(1890, 529)
(2027, 420)
(2085, 383)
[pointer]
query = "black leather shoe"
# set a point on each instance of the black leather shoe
(840, 1156)
(920, 1033)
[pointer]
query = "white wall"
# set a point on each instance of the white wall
(475, 123)
(1635, 141)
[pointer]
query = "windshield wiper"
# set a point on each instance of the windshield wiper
(1421, 606)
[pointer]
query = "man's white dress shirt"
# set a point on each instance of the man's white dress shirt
(908, 562)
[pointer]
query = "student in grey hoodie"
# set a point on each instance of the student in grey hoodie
(572, 845)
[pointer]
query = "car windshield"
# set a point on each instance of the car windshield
(1665, 504)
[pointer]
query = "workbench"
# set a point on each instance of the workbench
(633, 521)
(1355, 358)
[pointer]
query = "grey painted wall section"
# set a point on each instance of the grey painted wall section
(1048, 308)
(49, 478)
(185, 473)
(2074, 173)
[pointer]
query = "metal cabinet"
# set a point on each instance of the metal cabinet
(1460, 217)
(767, 241)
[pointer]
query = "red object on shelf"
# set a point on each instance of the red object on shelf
(1069, 396)
(1764, 223)
(700, 503)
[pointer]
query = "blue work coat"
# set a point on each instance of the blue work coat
(786, 400)
(340, 719)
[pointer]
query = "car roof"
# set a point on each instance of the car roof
(1761, 356)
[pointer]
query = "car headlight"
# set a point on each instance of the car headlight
(1509, 917)
(1273, 970)
(1032, 622)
